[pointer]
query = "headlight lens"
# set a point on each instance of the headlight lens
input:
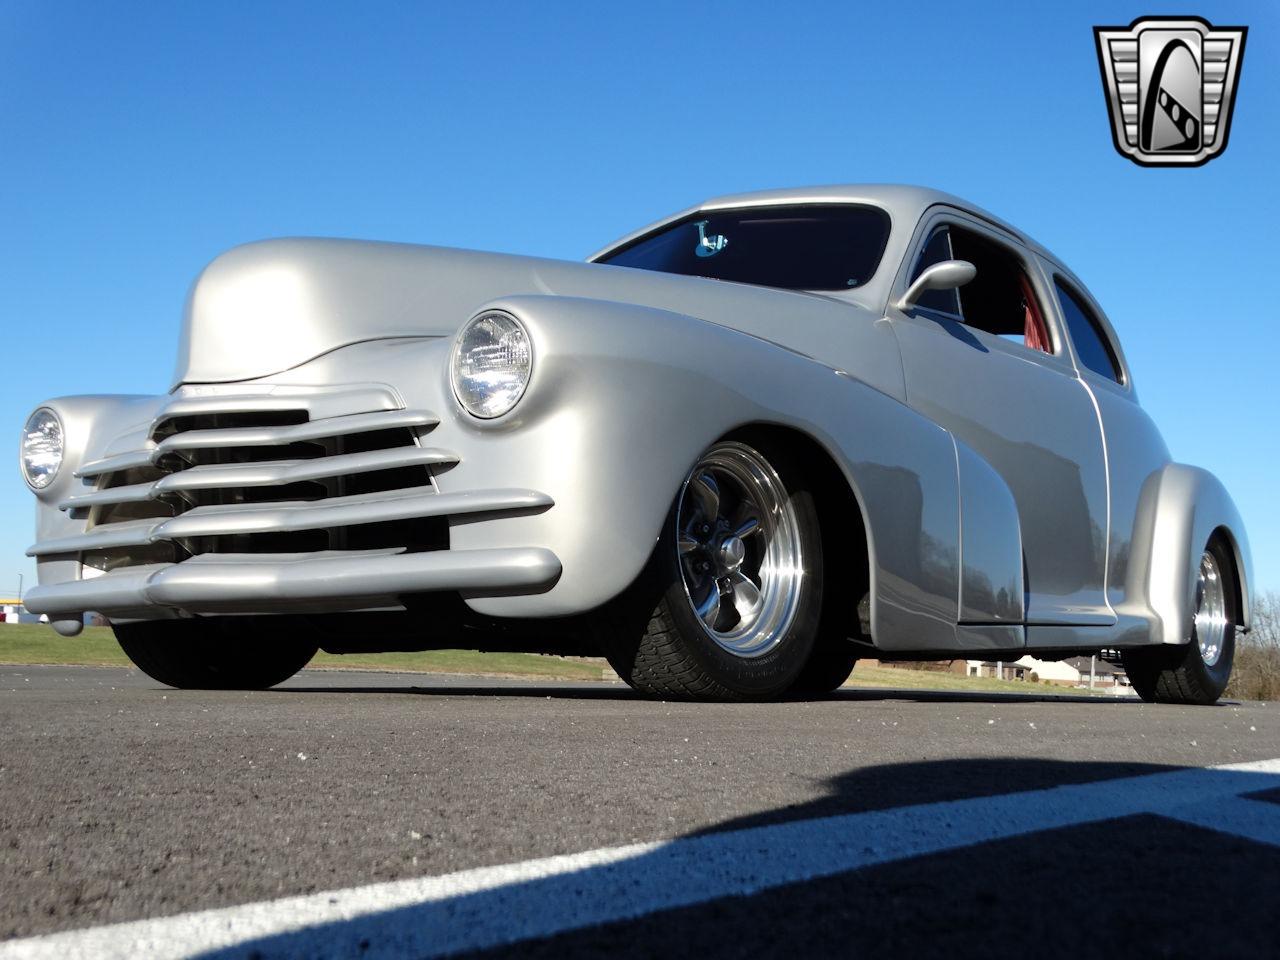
(492, 361)
(42, 444)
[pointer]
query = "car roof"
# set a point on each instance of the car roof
(905, 204)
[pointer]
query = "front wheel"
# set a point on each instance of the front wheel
(729, 605)
(1195, 672)
(216, 653)
(830, 665)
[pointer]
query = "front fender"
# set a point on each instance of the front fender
(1180, 509)
(93, 426)
(623, 400)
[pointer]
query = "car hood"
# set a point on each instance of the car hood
(270, 306)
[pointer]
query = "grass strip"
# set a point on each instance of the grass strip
(29, 643)
(38, 644)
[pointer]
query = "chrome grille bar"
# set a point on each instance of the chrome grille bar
(131, 533)
(258, 437)
(275, 517)
(132, 493)
(318, 403)
(342, 512)
(116, 462)
(268, 473)
(280, 436)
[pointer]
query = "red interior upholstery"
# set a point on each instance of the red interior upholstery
(1034, 333)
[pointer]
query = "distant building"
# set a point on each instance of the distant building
(1056, 671)
(1072, 672)
(1104, 674)
(998, 669)
(12, 611)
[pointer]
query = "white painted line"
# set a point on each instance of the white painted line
(474, 909)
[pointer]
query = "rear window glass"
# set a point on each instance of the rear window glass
(836, 247)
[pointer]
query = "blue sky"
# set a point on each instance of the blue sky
(139, 140)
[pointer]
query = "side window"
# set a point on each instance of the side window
(937, 250)
(1092, 347)
(1000, 299)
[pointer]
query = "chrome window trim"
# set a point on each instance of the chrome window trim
(939, 215)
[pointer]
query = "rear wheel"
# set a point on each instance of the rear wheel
(216, 653)
(729, 606)
(1195, 672)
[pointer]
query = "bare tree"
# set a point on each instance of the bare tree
(1257, 668)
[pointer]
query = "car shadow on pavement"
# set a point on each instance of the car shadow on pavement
(439, 686)
(970, 696)
(540, 690)
(991, 858)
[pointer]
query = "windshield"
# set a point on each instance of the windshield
(833, 247)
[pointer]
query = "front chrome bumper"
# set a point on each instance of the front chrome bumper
(256, 583)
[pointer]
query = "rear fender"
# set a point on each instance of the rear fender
(1180, 509)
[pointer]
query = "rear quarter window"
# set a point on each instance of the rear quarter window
(1092, 346)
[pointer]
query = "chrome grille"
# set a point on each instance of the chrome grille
(261, 481)
(260, 498)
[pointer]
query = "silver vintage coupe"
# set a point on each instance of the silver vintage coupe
(734, 451)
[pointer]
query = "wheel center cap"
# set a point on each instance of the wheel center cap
(732, 552)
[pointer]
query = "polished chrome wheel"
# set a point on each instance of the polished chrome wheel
(740, 550)
(730, 604)
(1197, 671)
(1211, 620)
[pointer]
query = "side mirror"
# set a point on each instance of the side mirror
(946, 275)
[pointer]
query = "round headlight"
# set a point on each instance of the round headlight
(491, 364)
(42, 443)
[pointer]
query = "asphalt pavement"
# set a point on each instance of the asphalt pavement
(921, 824)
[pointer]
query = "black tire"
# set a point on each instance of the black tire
(829, 666)
(216, 653)
(656, 642)
(1179, 674)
